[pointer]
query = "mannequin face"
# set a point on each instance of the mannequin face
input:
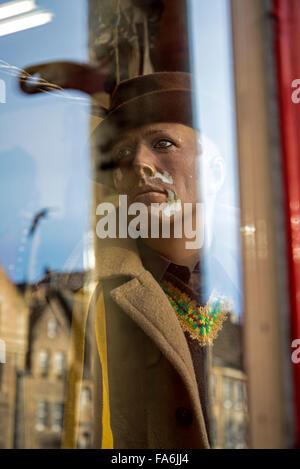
(157, 163)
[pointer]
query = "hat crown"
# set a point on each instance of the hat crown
(142, 85)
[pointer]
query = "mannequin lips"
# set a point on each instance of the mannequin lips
(149, 193)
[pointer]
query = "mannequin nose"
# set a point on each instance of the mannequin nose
(143, 163)
(144, 170)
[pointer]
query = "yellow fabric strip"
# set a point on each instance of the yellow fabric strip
(100, 326)
(75, 367)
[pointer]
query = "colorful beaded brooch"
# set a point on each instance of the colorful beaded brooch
(203, 323)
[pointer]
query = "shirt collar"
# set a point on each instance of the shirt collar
(158, 265)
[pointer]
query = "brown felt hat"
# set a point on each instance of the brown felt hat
(159, 97)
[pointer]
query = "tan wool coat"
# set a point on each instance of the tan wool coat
(147, 395)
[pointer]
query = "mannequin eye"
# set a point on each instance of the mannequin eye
(163, 144)
(126, 152)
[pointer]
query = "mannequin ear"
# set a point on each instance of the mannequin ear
(211, 169)
(217, 173)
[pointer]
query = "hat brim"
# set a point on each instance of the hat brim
(172, 106)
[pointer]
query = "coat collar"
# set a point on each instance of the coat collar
(118, 258)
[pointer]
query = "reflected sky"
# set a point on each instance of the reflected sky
(44, 160)
(212, 64)
(44, 157)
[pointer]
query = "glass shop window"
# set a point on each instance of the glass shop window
(61, 158)
(45, 245)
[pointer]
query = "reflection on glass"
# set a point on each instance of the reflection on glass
(52, 328)
(23, 22)
(14, 8)
(42, 415)
(58, 416)
(44, 172)
(227, 393)
(86, 396)
(43, 362)
(53, 256)
(215, 110)
(59, 364)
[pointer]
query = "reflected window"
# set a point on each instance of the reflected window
(42, 415)
(58, 416)
(43, 362)
(59, 364)
(227, 393)
(52, 328)
(241, 436)
(86, 396)
(239, 394)
(229, 434)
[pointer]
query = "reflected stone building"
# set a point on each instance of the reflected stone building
(33, 379)
(43, 388)
(228, 389)
(45, 378)
(14, 317)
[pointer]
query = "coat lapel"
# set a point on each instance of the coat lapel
(145, 303)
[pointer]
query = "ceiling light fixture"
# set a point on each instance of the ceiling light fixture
(23, 22)
(16, 8)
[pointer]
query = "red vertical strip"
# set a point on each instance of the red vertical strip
(287, 13)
